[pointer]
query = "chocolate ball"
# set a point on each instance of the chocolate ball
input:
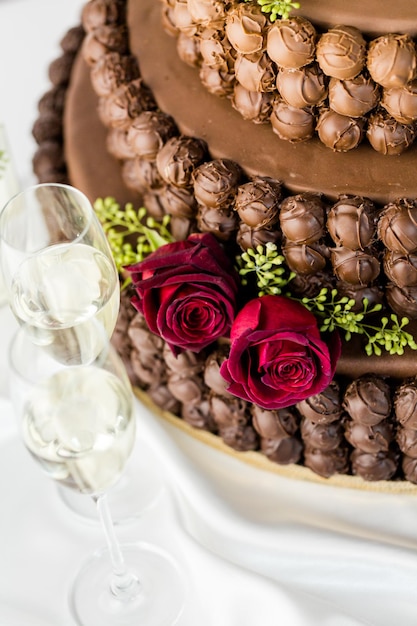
(248, 237)
(255, 72)
(405, 404)
(304, 87)
(392, 60)
(302, 218)
(371, 439)
(257, 202)
(178, 202)
(409, 467)
(141, 175)
(403, 301)
(341, 52)
(240, 437)
(321, 436)
(245, 26)
(339, 132)
(148, 133)
(401, 102)
(282, 451)
(305, 259)
(199, 415)
(407, 441)
(255, 106)
(188, 50)
(104, 39)
(207, 13)
(178, 158)
(324, 407)
(354, 97)
(212, 377)
(368, 400)
(218, 82)
(352, 222)
(118, 145)
(388, 136)
(401, 268)
(124, 105)
(397, 226)
(374, 467)
(215, 50)
(291, 43)
(216, 182)
(290, 123)
(374, 295)
(325, 463)
(222, 223)
(356, 267)
(275, 424)
(111, 71)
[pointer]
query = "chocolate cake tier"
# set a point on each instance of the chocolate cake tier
(143, 104)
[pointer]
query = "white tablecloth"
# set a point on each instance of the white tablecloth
(256, 549)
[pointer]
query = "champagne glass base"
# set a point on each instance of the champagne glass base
(138, 489)
(160, 599)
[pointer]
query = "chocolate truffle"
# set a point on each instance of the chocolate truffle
(405, 404)
(216, 183)
(104, 39)
(371, 439)
(245, 26)
(367, 400)
(407, 441)
(305, 259)
(149, 131)
(255, 72)
(373, 467)
(257, 202)
(397, 226)
(282, 451)
(341, 52)
(401, 102)
(403, 301)
(352, 222)
(207, 13)
(325, 463)
(111, 71)
(248, 237)
(356, 267)
(275, 424)
(401, 268)
(302, 218)
(290, 123)
(354, 97)
(392, 60)
(323, 437)
(304, 87)
(127, 102)
(188, 49)
(178, 158)
(339, 132)
(388, 136)
(215, 51)
(322, 408)
(255, 106)
(291, 43)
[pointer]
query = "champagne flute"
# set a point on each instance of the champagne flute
(77, 421)
(58, 268)
(61, 277)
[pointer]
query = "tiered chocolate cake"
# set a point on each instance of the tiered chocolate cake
(278, 313)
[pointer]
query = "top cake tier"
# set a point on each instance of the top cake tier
(372, 17)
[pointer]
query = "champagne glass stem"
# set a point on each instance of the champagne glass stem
(123, 583)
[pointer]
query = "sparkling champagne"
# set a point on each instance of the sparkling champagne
(59, 291)
(79, 425)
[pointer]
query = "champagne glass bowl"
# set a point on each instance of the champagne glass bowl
(78, 423)
(58, 268)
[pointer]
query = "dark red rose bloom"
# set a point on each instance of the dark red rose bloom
(186, 291)
(277, 356)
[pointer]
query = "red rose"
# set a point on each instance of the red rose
(277, 356)
(186, 291)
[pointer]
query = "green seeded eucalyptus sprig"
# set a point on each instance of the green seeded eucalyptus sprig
(271, 273)
(272, 276)
(277, 8)
(120, 225)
